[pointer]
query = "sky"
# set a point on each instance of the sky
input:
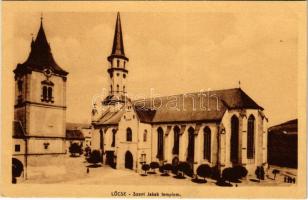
(172, 53)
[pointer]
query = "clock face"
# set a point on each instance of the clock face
(47, 72)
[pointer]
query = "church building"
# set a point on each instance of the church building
(220, 128)
(40, 106)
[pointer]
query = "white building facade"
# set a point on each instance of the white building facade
(222, 128)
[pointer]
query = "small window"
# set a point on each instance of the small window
(118, 88)
(111, 88)
(124, 89)
(17, 147)
(118, 63)
(129, 135)
(145, 135)
(46, 145)
(124, 75)
(124, 64)
(118, 74)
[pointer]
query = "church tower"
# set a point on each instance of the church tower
(117, 69)
(40, 99)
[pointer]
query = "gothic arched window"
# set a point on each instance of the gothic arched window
(234, 152)
(250, 137)
(160, 144)
(118, 63)
(176, 140)
(207, 143)
(129, 135)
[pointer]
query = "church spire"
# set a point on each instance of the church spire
(118, 46)
(40, 56)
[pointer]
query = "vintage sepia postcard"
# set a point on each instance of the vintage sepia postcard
(124, 99)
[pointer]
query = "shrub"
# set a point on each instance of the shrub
(145, 168)
(185, 168)
(227, 174)
(204, 171)
(95, 157)
(260, 173)
(75, 149)
(154, 165)
(239, 172)
(166, 168)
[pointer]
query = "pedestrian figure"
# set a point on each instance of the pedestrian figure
(88, 170)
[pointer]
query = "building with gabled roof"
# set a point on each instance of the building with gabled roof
(221, 128)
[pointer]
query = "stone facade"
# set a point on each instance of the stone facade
(129, 136)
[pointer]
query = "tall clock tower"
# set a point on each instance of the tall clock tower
(40, 99)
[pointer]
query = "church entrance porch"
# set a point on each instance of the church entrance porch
(129, 160)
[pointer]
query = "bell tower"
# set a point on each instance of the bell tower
(117, 69)
(40, 99)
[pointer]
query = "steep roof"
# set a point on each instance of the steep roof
(118, 46)
(288, 127)
(40, 56)
(110, 116)
(201, 106)
(74, 126)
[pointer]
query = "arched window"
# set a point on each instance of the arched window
(191, 145)
(176, 140)
(250, 137)
(234, 152)
(49, 93)
(123, 88)
(44, 93)
(207, 143)
(160, 144)
(145, 135)
(111, 88)
(129, 135)
(113, 137)
(124, 64)
(118, 87)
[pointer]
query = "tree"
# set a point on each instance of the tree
(204, 171)
(95, 157)
(75, 149)
(260, 173)
(275, 172)
(154, 165)
(166, 169)
(145, 168)
(227, 174)
(239, 172)
(185, 168)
